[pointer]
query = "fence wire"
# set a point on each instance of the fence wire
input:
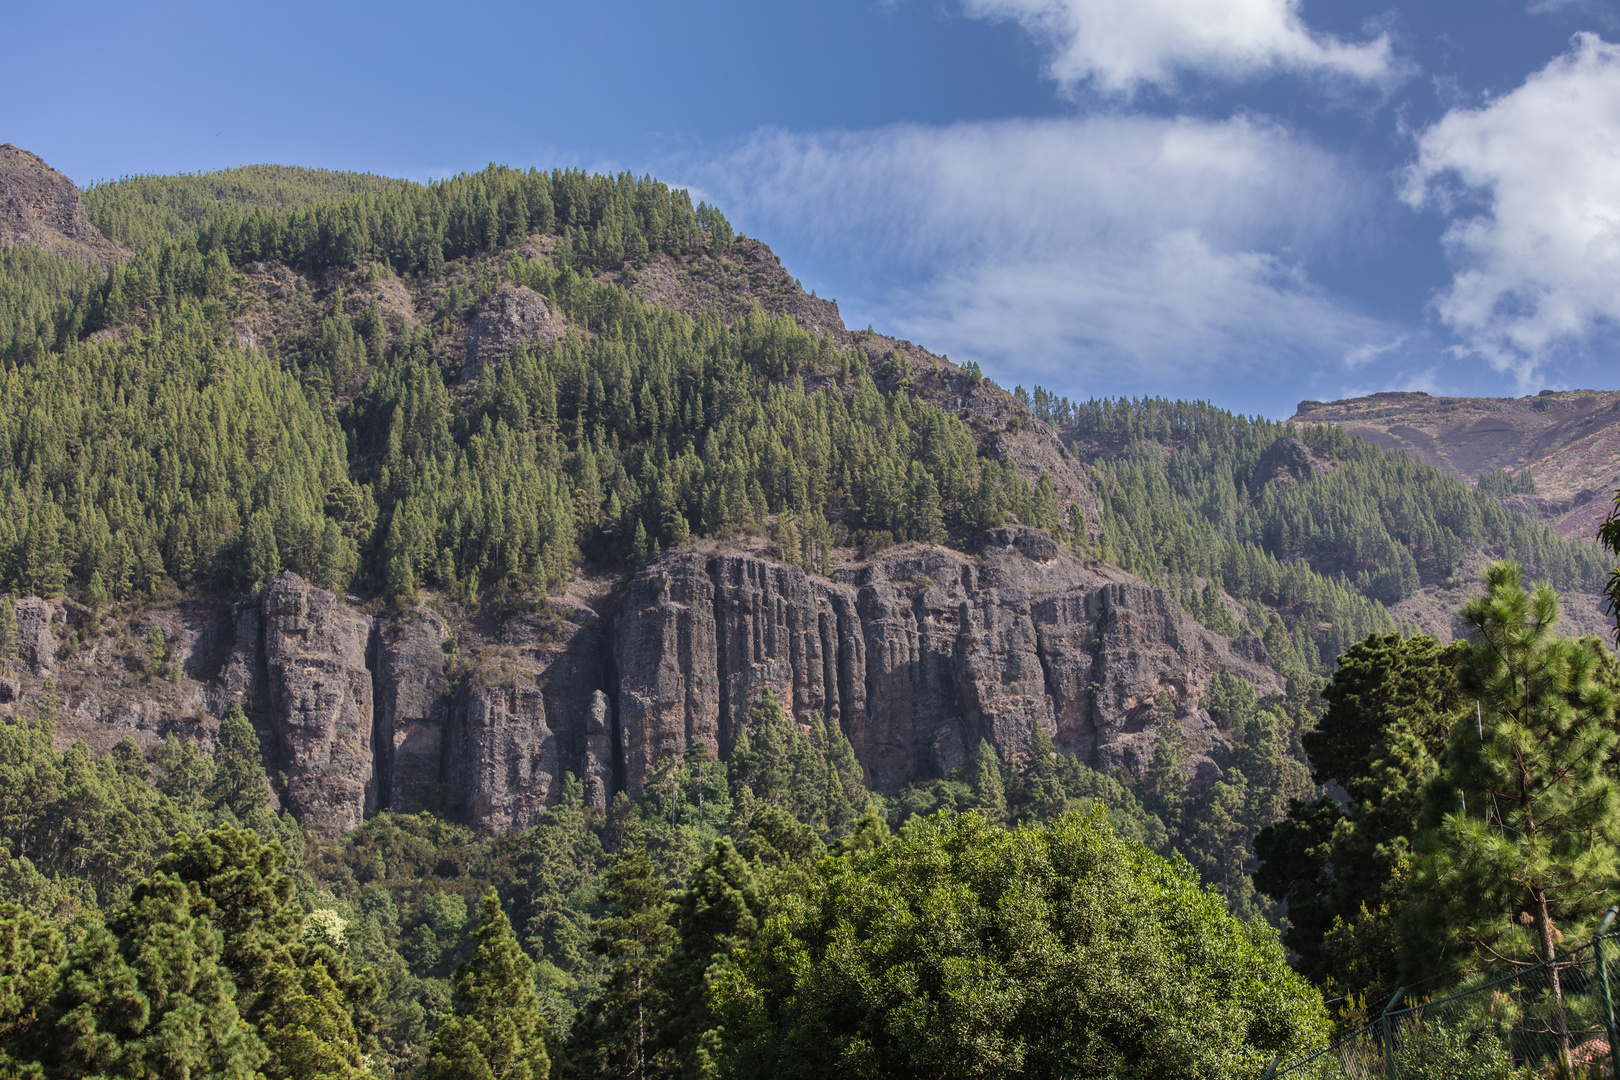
(1556, 1019)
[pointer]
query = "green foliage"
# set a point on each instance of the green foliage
(146, 453)
(1524, 817)
(813, 775)
(150, 995)
(958, 949)
(495, 1032)
(137, 211)
(1184, 499)
(1391, 707)
(1501, 484)
(31, 954)
(238, 781)
(618, 1034)
(313, 1011)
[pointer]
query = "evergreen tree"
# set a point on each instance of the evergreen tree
(984, 775)
(239, 782)
(1391, 708)
(8, 635)
(149, 995)
(1164, 787)
(496, 1031)
(1525, 814)
(312, 1010)
(618, 1036)
(31, 954)
(721, 910)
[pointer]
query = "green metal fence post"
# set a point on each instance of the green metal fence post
(1608, 998)
(1388, 1036)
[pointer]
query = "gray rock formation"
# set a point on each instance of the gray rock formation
(916, 654)
(41, 207)
(512, 314)
(919, 656)
(36, 642)
(413, 705)
(319, 703)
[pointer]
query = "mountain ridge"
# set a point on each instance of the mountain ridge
(1567, 443)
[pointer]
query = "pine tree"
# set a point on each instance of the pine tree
(1525, 815)
(618, 1036)
(8, 635)
(311, 1009)
(149, 995)
(1164, 787)
(721, 909)
(239, 782)
(984, 775)
(31, 953)
(496, 1031)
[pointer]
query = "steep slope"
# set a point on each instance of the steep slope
(41, 208)
(1560, 449)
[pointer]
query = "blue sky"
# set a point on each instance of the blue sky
(1250, 201)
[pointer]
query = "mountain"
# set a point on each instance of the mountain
(533, 531)
(1555, 456)
(471, 486)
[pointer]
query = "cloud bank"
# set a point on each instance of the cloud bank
(1532, 183)
(1119, 46)
(1087, 253)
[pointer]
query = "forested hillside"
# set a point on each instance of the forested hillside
(688, 660)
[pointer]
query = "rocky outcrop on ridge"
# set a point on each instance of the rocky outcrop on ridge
(512, 314)
(41, 207)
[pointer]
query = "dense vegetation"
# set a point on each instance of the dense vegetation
(1329, 536)
(704, 928)
(157, 936)
(1477, 827)
(145, 442)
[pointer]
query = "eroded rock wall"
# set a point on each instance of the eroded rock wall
(917, 654)
(319, 703)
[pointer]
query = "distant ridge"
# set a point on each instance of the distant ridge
(40, 207)
(1563, 444)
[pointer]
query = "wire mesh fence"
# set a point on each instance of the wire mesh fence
(1556, 1019)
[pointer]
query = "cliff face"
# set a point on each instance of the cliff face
(319, 703)
(41, 207)
(917, 654)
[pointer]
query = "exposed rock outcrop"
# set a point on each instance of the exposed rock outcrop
(319, 703)
(36, 643)
(916, 654)
(412, 702)
(921, 654)
(512, 314)
(41, 207)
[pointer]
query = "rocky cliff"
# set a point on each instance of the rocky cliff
(917, 654)
(41, 207)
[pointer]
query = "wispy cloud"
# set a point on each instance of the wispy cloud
(1119, 46)
(1366, 353)
(1532, 183)
(1088, 253)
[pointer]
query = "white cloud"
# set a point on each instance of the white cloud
(1532, 181)
(1096, 251)
(1118, 46)
(1367, 352)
